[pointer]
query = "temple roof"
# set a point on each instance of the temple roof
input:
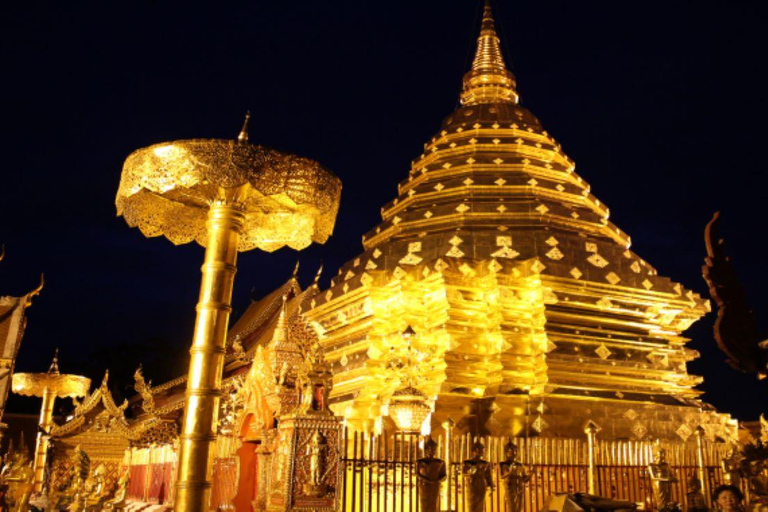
(12, 324)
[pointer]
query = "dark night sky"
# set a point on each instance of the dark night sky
(661, 106)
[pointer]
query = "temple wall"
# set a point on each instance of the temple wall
(105, 448)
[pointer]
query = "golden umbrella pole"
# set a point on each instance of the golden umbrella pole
(48, 386)
(229, 196)
(207, 356)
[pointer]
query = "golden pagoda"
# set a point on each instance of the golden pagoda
(531, 314)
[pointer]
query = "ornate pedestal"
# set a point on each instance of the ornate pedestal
(305, 463)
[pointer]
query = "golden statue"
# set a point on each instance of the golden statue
(18, 477)
(695, 498)
(430, 473)
(515, 476)
(661, 479)
(317, 451)
(477, 479)
(121, 493)
(732, 466)
(758, 486)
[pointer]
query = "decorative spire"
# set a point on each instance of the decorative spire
(55, 363)
(281, 328)
(489, 80)
(243, 136)
(295, 274)
(319, 272)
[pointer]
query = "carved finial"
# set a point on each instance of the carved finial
(280, 334)
(243, 136)
(34, 293)
(317, 275)
(106, 378)
(54, 368)
(295, 270)
(489, 80)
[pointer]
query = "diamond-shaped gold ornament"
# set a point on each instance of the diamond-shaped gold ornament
(639, 430)
(684, 431)
(555, 254)
(597, 260)
(603, 352)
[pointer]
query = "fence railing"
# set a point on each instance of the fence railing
(379, 471)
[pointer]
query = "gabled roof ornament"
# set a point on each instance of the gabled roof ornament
(489, 80)
(243, 136)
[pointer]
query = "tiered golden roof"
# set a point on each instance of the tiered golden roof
(528, 304)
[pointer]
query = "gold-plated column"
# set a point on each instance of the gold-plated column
(225, 223)
(700, 433)
(41, 446)
(591, 429)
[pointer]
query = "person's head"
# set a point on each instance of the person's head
(694, 484)
(430, 447)
(478, 449)
(510, 449)
(727, 497)
(661, 455)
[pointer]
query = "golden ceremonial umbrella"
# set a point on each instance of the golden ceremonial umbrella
(229, 196)
(48, 386)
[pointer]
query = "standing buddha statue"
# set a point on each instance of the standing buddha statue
(477, 479)
(430, 473)
(661, 480)
(515, 476)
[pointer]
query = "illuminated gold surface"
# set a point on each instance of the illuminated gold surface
(48, 386)
(229, 196)
(532, 312)
(65, 386)
(166, 189)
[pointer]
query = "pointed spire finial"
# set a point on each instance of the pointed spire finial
(280, 334)
(243, 136)
(2, 252)
(54, 368)
(295, 269)
(319, 272)
(489, 80)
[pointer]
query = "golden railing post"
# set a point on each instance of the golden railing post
(448, 426)
(591, 429)
(206, 363)
(700, 433)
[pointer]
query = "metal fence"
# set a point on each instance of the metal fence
(379, 471)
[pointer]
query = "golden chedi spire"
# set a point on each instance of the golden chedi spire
(520, 288)
(489, 80)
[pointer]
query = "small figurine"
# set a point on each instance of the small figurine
(477, 479)
(317, 451)
(661, 480)
(515, 476)
(758, 486)
(732, 466)
(18, 475)
(430, 473)
(694, 497)
(118, 500)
